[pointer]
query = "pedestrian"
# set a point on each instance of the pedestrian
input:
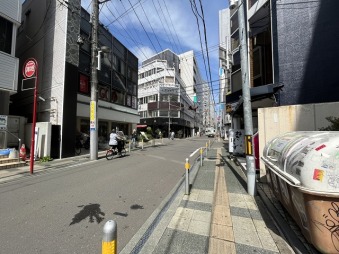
(134, 137)
(121, 141)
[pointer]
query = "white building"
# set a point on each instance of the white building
(166, 101)
(225, 66)
(10, 20)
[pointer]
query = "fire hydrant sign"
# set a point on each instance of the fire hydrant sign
(29, 68)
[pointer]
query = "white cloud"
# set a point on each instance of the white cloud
(181, 23)
(143, 53)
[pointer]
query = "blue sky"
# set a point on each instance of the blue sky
(168, 24)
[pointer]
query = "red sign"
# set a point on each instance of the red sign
(29, 68)
(83, 84)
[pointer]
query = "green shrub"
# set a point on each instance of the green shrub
(45, 159)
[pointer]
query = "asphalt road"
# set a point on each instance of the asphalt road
(64, 210)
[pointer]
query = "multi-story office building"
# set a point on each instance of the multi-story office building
(57, 34)
(206, 106)
(10, 20)
(164, 102)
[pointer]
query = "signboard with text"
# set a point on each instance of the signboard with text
(3, 122)
(92, 117)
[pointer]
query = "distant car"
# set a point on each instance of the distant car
(210, 132)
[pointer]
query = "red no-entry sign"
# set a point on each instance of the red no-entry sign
(29, 68)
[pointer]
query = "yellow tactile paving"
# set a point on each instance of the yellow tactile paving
(221, 235)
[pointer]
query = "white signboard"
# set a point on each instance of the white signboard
(3, 122)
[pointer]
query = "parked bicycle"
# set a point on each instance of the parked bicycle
(82, 140)
(78, 146)
(113, 153)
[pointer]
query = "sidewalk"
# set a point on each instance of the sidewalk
(217, 217)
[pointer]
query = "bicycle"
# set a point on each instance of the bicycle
(78, 146)
(113, 152)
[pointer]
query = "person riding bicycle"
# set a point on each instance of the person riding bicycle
(113, 142)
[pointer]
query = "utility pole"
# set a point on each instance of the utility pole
(246, 96)
(94, 81)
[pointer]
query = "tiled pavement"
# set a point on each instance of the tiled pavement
(218, 216)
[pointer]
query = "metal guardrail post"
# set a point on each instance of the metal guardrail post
(209, 144)
(206, 148)
(142, 144)
(187, 167)
(129, 146)
(200, 156)
(19, 159)
(109, 240)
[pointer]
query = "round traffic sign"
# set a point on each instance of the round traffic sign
(29, 69)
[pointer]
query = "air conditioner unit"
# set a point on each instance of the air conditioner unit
(233, 4)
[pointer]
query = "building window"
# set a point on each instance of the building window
(154, 113)
(6, 29)
(163, 113)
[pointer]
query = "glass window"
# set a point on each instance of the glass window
(163, 113)
(129, 100)
(121, 67)
(117, 97)
(6, 29)
(114, 62)
(134, 102)
(84, 126)
(86, 46)
(84, 62)
(134, 76)
(104, 75)
(119, 49)
(129, 73)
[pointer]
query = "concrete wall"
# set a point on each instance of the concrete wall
(278, 120)
(44, 138)
(306, 50)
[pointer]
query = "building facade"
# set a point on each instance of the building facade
(288, 64)
(225, 65)
(60, 42)
(10, 20)
(166, 102)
